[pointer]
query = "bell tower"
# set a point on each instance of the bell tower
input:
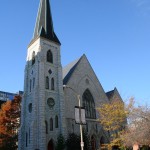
(42, 112)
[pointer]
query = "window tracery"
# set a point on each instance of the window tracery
(51, 124)
(56, 121)
(46, 127)
(89, 104)
(52, 84)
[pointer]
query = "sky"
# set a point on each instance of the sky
(113, 34)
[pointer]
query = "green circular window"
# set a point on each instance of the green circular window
(50, 102)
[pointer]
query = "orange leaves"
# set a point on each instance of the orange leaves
(9, 115)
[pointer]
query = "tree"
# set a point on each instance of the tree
(127, 124)
(113, 119)
(138, 129)
(60, 144)
(10, 122)
(73, 142)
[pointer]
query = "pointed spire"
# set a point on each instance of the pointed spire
(44, 23)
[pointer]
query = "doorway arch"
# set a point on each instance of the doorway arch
(102, 142)
(93, 143)
(50, 145)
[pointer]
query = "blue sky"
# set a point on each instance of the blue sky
(114, 35)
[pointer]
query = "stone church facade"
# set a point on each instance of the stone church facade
(47, 107)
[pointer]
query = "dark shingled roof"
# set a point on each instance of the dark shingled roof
(69, 69)
(110, 94)
(44, 23)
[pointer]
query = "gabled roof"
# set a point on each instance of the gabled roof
(44, 23)
(110, 94)
(69, 69)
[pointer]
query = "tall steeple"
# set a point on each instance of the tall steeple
(43, 100)
(44, 23)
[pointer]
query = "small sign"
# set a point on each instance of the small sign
(77, 116)
(80, 115)
(83, 121)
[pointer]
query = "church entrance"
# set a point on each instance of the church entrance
(50, 145)
(102, 142)
(93, 143)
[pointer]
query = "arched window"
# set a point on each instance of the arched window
(52, 84)
(46, 127)
(56, 121)
(89, 104)
(51, 124)
(47, 83)
(33, 82)
(30, 107)
(33, 57)
(30, 85)
(49, 56)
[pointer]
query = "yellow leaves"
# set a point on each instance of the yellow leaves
(113, 118)
(116, 141)
(112, 115)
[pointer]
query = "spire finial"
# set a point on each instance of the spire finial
(44, 22)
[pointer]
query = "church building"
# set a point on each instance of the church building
(47, 107)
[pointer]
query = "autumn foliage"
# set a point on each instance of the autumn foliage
(138, 129)
(9, 123)
(112, 115)
(127, 124)
(113, 118)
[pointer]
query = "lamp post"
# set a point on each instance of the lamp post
(78, 97)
